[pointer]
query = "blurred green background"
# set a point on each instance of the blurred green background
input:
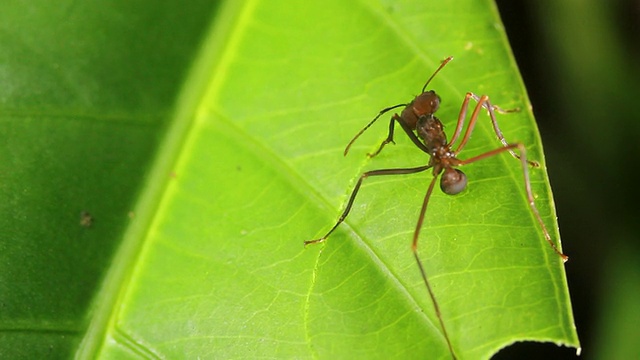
(579, 60)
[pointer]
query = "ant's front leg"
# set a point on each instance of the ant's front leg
(389, 138)
(383, 111)
(407, 129)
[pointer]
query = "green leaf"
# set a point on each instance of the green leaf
(210, 260)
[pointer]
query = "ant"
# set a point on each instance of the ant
(426, 132)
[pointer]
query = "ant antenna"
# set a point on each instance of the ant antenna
(383, 111)
(444, 62)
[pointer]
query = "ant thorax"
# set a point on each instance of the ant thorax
(431, 131)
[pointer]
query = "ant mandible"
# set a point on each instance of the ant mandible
(426, 132)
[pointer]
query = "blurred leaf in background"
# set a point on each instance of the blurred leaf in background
(163, 163)
(87, 90)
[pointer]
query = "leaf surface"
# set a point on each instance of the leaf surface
(212, 264)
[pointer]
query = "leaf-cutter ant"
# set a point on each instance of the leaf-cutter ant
(426, 132)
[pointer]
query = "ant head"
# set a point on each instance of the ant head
(453, 181)
(426, 103)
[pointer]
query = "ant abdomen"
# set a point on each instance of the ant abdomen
(453, 181)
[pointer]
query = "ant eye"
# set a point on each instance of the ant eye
(453, 181)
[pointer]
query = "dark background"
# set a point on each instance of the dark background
(579, 61)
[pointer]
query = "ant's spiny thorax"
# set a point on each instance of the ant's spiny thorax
(431, 132)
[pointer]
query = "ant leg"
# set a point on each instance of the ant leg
(483, 101)
(490, 108)
(461, 117)
(496, 107)
(346, 150)
(406, 129)
(527, 185)
(355, 192)
(414, 249)
(389, 138)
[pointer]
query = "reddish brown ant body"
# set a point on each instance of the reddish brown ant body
(426, 131)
